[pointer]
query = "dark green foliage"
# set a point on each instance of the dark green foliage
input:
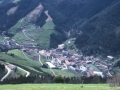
(56, 39)
(25, 7)
(58, 79)
(101, 33)
(55, 79)
(2, 67)
(97, 19)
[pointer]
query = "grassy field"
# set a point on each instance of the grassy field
(57, 87)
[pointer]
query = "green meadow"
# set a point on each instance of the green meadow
(57, 87)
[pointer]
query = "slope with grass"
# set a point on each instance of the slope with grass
(40, 35)
(28, 65)
(34, 65)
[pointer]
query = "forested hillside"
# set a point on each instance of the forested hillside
(94, 23)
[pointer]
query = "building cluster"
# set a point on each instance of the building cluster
(71, 60)
(66, 59)
(12, 44)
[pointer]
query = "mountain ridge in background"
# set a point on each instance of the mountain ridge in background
(68, 16)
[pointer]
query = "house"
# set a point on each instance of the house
(110, 57)
(12, 67)
(50, 65)
(82, 68)
(61, 46)
(29, 45)
(98, 73)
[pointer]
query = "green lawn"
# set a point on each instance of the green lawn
(57, 87)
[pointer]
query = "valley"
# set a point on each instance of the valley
(69, 38)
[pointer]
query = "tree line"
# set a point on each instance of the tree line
(2, 67)
(55, 79)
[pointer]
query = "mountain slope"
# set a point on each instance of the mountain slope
(101, 33)
(68, 18)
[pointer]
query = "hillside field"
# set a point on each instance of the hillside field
(57, 87)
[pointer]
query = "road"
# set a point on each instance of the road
(25, 56)
(26, 35)
(40, 60)
(50, 68)
(8, 72)
(28, 73)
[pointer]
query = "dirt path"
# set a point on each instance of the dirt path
(26, 35)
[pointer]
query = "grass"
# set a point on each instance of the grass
(57, 87)
(33, 66)
(57, 71)
(1, 38)
(40, 35)
(23, 63)
(94, 67)
(18, 53)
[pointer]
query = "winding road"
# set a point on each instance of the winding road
(8, 72)
(27, 36)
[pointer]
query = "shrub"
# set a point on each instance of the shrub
(58, 79)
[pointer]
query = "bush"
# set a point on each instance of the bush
(58, 79)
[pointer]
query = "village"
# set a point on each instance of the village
(67, 59)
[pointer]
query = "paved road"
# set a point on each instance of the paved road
(50, 68)
(8, 72)
(28, 73)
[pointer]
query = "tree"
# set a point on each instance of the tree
(58, 79)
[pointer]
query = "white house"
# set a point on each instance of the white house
(50, 65)
(82, 68)
(98, 73)
(110, 57)
(61, 46)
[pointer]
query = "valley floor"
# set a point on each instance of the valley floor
(57, 87)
